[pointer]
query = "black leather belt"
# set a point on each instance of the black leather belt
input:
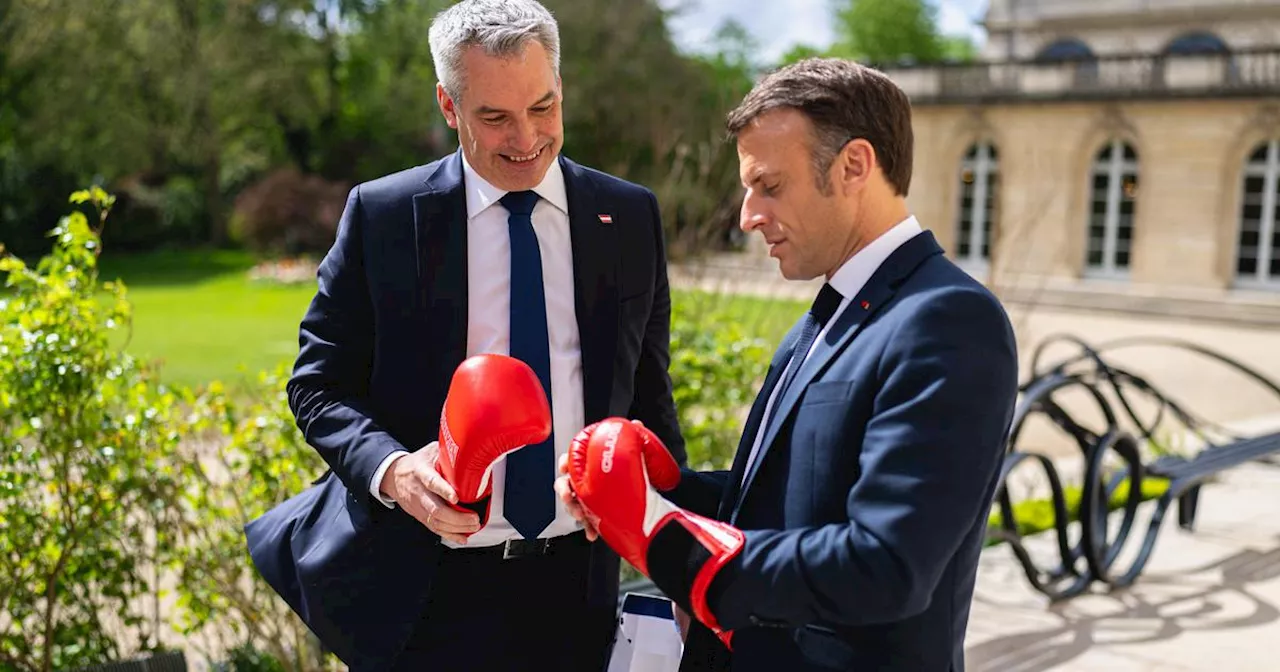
(524, 548)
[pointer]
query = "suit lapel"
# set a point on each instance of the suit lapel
(440, 225)
(873, 295)
(595, 271)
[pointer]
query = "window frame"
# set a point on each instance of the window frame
(1268, 248)
(1115, 168)
(983, 158)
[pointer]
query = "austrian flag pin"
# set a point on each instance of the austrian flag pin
(605, 219)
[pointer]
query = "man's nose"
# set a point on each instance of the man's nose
(751, 217)
(525, 136)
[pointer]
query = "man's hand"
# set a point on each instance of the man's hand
(682, 621)
(495, 405)
(618, 470)
(413, 483)
(565, 489)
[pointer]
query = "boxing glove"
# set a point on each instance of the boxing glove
(495, 405)
(616, 468)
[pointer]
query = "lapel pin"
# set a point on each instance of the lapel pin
(605, 219)
(866, 305)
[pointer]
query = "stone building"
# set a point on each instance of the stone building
(1121, 154)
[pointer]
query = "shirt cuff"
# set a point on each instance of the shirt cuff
(375, 485)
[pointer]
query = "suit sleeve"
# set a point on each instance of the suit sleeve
(328, 389)
(653, 402)
(699, 491)
(929, 458)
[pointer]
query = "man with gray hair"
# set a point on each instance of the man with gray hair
(506, 247)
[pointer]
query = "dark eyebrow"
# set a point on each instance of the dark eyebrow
(493, 110)
(757, 175)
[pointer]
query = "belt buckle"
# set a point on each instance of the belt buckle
(519, 548)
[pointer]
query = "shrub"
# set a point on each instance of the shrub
(85, 469)
(112, 485)
(289, 213)
(716, 370)
(243, 457)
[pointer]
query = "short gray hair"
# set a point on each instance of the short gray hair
(500, 27)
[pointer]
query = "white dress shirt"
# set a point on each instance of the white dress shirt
(848, 280)
(489, 323)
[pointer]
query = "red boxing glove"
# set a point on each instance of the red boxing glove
(495, 405)
(616, 468)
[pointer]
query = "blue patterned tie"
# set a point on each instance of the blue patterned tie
(529, 503)
(824, 306)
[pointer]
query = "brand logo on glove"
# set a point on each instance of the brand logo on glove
(610, 442)
(449, 445)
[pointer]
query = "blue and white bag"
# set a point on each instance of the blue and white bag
(647, 639)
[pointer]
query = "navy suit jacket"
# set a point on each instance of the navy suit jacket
(866, 509)
(378, 348)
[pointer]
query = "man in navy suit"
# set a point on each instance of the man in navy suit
(865, 473)
(503, 247)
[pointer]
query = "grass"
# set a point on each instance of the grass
(1036, 515)
(203, 319)
(765, 318)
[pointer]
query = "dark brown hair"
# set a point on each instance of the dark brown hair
(844, 101)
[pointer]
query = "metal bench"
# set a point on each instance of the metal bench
(1090, 559)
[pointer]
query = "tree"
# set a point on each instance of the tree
(887, 31)
(638, 108)
(179, 106)
(799, 53)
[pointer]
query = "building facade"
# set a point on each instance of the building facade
(1121, 154)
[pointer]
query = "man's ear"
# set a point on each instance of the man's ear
(855, 164)
(447, 106)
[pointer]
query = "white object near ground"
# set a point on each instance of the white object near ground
(647, 638)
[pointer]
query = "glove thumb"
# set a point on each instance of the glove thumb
(663, 472)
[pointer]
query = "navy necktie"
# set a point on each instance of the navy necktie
(824, 306)
(528, 500)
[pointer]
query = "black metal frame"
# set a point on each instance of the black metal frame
(1091, 558)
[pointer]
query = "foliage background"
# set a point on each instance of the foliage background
(243, 122)
(230, 130)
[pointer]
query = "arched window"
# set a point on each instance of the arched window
(1065, 49)
(979, 179)
(1258, 247)
(1206, 46)
(1112, 202)
(1083, 63)
(1196, 42)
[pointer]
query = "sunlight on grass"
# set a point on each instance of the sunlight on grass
(208, 331)
(203, 319)
(200, 315)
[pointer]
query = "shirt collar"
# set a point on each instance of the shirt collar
(481, 194)
(850, 278)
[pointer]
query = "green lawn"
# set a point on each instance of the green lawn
(203, 319)
(201, 316)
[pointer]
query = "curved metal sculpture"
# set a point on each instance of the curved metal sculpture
(1091, 558)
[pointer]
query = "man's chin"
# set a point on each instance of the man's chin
(795, 274)
(523, 176)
